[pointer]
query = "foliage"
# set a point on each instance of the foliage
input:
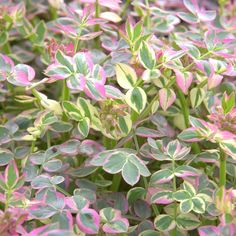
(117, 118)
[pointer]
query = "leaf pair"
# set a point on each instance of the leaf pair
(124, 161)
(136, 97)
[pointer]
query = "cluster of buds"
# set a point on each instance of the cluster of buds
(11, 220)
(224, 122)
(53, 46)
(226, 206)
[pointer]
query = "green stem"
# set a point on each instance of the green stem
(193, 63)
(97, 13)
(78, 38)
(146, 112)
(62, 191)
(154, 207)
(65, 92)
(53, 12)
(148, 22)
(222, 181)
(32, 146)
(115, 182)
(173, 233)
(35, 93)
(97, 26)
(8, 196)
(185, 110)
(126, 5)
(48, 139)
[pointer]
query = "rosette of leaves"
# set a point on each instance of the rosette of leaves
(10, 183)
(122, 160)
(190, 200)
(41, 125)
(53, 207)
(81, 112)
(80, 74)
(113, 222)
(134, 36)
(87, 219)
(174, 151)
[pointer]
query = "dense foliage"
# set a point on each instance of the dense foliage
(117, 118)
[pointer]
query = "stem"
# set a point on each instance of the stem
(65, 92)
(32, 146)
(48, 139)
(193, 63)
(77, 39)
(34, 92)
(154, 207)
(97, 26)
(62, 191)
(125, 8)
(173, 233)
(146, 112)
(115, 182)
(222, 181)
(8, 196)
(185, 110)
(148, 15)
(53, 12)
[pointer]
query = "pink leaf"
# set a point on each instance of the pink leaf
(184, 80)
(167, 98)
(88, 221)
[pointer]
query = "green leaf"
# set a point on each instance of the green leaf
(161, 176)
(126, 76)
(186, 206)
(129, 29)
(229, 147)
(40, 32)
(130, 173)
(72, 111)
(61, 127)
(83, 126)
(82, 66)
(181, 195)
(85, 106)
(190, 135)
(12, 175)
(3, 37)
(64, 60)
(150, 233)
(139, 163)
(228, 102)
(147, 56)
(136, 98)
(5, 156)
(196, 96)
(164, 223)
(125, 124)
(137, 31)
(135, 194)
(162, 197)
(199, 205)
(189, 188)
(187, 221)
(115, 163)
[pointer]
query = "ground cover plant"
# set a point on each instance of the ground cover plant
(117, 118)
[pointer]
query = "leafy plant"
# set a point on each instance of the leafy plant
(117, 118)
